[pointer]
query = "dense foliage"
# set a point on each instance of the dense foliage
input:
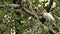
(23, 23)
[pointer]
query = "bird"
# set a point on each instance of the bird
(48, 16)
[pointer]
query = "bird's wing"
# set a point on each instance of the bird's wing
(45, 15)
(50, 17)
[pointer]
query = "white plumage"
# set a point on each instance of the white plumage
(48, 16)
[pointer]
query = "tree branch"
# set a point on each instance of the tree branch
(49, 6)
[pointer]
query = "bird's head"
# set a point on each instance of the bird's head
(44, 11)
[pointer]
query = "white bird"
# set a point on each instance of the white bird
(48, 16)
